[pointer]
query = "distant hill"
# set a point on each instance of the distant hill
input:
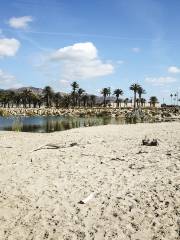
(100, 99)
(33, 89)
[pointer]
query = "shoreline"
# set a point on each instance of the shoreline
(135, 187)
(128, 114)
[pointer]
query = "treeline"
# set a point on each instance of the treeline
(77, 98)
(28, 98)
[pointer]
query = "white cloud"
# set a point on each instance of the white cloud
(20, 22)
(136, 50)
(160, 81)
(64, 82)
(78, 52)
(8, 81)
(81, 61)
(173, 69)
(8, 47)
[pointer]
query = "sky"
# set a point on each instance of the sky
(98, 43)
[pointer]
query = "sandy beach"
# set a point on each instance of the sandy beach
(135, 189)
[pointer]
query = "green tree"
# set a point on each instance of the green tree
(57, 99)
(118, 92)
(11, 98)
(126, 100)
(140, 92)
(74, 86)
(143, 102)
(48, 95)
(105, 92)
(26, 97)
(80, 92)
(134, 87)
(171, 96)
(92, 100)
(153, 100)
(66, 101)
(85, 99)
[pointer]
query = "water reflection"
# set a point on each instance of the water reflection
(53, 123)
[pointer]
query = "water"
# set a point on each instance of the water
(53, 123)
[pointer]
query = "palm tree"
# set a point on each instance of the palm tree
(134, 87)
(11, 95)
(40, 100)
(92, 100)
(171, 95)
(4, 99)
(30, 97)
(140, 92)
(48, 94)
(118, 92)
(131, 101)
(153, 100)
(143, 102)
(85, 99)
(175, 98)
(57, 99)
(17, 99)
(105, 92)
(25, 95)
(74, 86)
(66, 101)
(34, 99)
(80, 92)
(126, 100)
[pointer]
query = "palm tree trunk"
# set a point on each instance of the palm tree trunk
(134, 99)
(104, 101)
(139, 100)
(117, 100)
(47, 103)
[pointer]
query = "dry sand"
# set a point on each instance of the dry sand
(136, 188)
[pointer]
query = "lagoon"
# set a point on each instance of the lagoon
(45, 124)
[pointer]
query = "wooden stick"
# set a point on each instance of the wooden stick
(47, 146)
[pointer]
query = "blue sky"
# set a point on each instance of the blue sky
(98, 43)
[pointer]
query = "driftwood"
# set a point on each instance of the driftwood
(52, 146)
(5, 146)
(47, 146)
(118, 159)
(87, 199)
(140, 152)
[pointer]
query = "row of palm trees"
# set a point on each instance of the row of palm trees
(137, 89)
(174, 98)
(80, 97)
(77, 98)
(27, 98)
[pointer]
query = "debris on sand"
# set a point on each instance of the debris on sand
(147, 142)
(87, 199)
(73, 144)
